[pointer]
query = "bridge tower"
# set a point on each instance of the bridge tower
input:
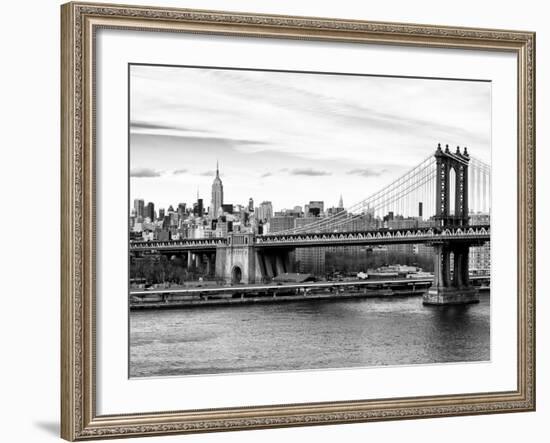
(447, 164)
(235, 260)
(451, 287)
(241, 261)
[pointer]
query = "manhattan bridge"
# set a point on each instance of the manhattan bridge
(444, 187)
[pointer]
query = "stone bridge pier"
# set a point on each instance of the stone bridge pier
(241, 261)
(451, 276)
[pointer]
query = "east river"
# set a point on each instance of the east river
(306, 335)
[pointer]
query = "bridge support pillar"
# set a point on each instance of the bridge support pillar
(279, 265)
(287, 262)
(446, 290)
(189, 260)
(209, 264)
(268, 264)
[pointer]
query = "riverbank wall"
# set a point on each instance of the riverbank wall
(172, 301)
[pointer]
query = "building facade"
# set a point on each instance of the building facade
(315, 209)
(150, 211)
(139, 207)
(265, 211)
(280, 223)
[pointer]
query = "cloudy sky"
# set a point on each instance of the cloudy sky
(291, 137)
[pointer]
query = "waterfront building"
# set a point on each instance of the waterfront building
(480, 256)
(480, 259)
(217, 195)
(311, 260)
(352, 250)
(401, 249)
(423, 250)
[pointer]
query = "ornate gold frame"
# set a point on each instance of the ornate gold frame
(79, 420)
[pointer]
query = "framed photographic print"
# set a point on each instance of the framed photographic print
(281, 221)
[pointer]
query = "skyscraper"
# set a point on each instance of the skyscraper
(198, 208)
(139, 206)
(150, 211)
(181, 210)
(217, 195)
(265, 211)
(315, 208)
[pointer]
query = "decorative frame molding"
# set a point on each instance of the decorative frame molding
(79, 22)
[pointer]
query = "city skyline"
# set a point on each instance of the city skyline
(273, 149)
(207, 201)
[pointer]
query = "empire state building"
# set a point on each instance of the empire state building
(217, 196)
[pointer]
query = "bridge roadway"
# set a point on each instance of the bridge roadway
(479, 233)
(308, 285)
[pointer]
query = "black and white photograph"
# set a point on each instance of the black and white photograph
(289, 220)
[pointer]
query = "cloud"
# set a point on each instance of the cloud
(367, 172)
(179, 171)
(207, 173)
(147, 125)
(266, 174)
(309, 172)
(194, 135)
(145, 173)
